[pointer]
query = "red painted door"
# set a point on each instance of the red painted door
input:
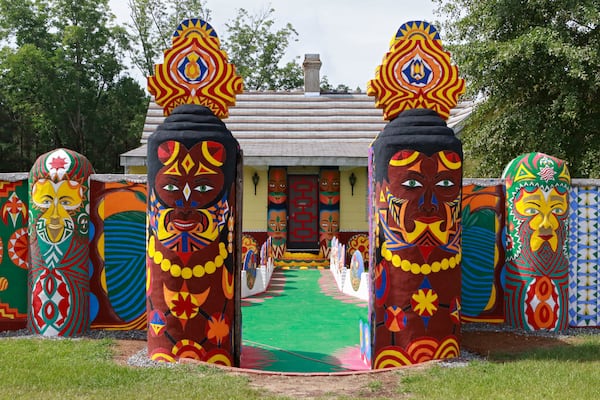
(303, 200)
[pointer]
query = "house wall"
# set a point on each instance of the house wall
(353, 207)
(255, 206)
(118, 212)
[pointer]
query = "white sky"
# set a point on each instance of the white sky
(351, 36)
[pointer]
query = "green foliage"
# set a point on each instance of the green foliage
(536, 65)
(257, 51)
(62, 83)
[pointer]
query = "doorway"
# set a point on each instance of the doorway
(303, 201)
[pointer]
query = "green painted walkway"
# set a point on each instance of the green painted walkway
(295, 327)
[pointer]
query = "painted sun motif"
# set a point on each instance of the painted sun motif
(416, 73)
(425, 302)
(195, 71)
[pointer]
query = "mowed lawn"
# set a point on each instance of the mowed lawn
(33, 368)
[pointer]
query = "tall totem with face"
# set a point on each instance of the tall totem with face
(59, 244)
(329, 208)
(537, 267)
(277, 210)
(194, 237)
(416, 195)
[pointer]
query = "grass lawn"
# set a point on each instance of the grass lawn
(84, 369)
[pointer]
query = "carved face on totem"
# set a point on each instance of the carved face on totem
(57, 202)
(57, 195)
(329, 223)
(329, 187)
(277, 186)
(423, 204)
(277, 224)
(538, 202)
(544, 212)
(190, 186)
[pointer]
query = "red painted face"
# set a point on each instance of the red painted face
(189, 180)
(329, 187)
(277, 186)
(277, 224)
(423, 195)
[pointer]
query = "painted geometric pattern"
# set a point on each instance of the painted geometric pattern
(13, 251)
(584, 256)
(118, 256)
(483, 254)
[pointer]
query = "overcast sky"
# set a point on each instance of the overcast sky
(351, 36)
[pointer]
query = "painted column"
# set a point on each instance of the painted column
(416, 197)
(59, 227)
(194, 205)
(537, 267)
(277, 211)
(329, 208)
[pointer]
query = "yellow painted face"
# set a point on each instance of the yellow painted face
(543, 208)
(57, 200)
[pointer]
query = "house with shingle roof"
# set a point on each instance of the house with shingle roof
(307, 135)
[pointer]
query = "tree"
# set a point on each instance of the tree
(257, 51)
(152, 25)
(62, 83)
(535, 63)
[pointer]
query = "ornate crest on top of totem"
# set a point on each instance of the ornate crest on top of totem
(195, 71)
(416, 73)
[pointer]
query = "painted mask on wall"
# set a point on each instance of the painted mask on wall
(189, 186)
(423, 199)
(277, 186)
(329, 187)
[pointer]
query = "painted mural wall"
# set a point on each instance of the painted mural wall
(117, 274)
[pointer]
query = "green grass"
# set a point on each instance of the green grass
(564, 372)
(83, 369)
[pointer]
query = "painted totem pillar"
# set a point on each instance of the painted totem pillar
(277, 211)
(329, 208)
(537, 267)
(59, 228)
(416, 197)
(194, 232)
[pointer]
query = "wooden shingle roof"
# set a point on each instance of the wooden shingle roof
(294, 128)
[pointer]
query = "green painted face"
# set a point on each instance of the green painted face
(537, 197)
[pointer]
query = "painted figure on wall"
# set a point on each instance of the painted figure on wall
(537, 268)
(483, 216)
(277, 230)
(118, 212)
(14, 249)
(329, 227)
(417, 171)
(194, 237)
(277, 211)
(59, 228)
(329, 208)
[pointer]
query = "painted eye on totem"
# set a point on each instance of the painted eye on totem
(203, 188)
(558, 210)
(169, 187)
(445, 183)
(531, 211)
(412, 183)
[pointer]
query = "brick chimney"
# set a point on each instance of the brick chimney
(312, 81)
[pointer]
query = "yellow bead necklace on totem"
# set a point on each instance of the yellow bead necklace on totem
(197, 271)
(425, 269)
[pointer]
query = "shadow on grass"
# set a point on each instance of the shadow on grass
(504, 347)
